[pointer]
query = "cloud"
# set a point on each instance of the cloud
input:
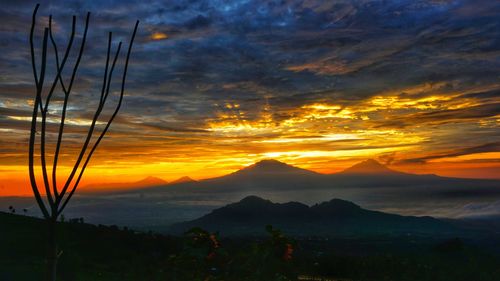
(444, 116)
(488, 147)
(416, 74)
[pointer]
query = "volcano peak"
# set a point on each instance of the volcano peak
(369, 166)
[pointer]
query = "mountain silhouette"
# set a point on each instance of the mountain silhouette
(150, 181)
(370, 167)
(184, 179)
(271, 167)
(368, 179)
(333, 218)
(263, 175)
(402, 193)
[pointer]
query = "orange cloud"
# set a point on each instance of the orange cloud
(158, 36)
(323, 136)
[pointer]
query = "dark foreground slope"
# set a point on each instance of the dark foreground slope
(89, 252)
(101, 253)
(335, 218)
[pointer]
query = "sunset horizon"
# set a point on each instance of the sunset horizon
(95, 179)
(250, 140)
(321, 107)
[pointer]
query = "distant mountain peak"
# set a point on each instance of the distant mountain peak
(369, 166)
(151, 178)
(149, 181)
(270, 163)
(253, 200)
(183, 179)
(337, 206)
(272, 166)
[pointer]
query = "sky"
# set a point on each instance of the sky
(216, 85)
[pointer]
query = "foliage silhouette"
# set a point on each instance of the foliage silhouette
(106, 253)
(204, 257)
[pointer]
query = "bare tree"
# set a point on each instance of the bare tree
(57, 197)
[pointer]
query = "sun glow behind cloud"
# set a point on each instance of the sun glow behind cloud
(159, 36)
(321, 136)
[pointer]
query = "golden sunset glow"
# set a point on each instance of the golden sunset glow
(321, 136)
(210, 93)
(250, 140)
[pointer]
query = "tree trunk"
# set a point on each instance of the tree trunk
(52, 250)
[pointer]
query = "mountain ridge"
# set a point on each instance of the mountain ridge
(335, 217)
(183, 179)
(279, 181)
(370, 166)
(268, 171)
(271, 166)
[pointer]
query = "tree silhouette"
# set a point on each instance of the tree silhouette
(57, 198)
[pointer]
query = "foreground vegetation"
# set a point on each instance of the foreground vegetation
(109, 253)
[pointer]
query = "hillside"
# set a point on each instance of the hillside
(90, 252)
(108, 253)
(335, 218)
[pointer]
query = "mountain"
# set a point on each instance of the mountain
(184, 179)
(271, 167)
(368, 182)
(150, 181)
(370, 173)
(335, 218)
(370, 167)
(263, 175)
(402, 193)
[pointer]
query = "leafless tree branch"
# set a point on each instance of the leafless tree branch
(57, 200)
